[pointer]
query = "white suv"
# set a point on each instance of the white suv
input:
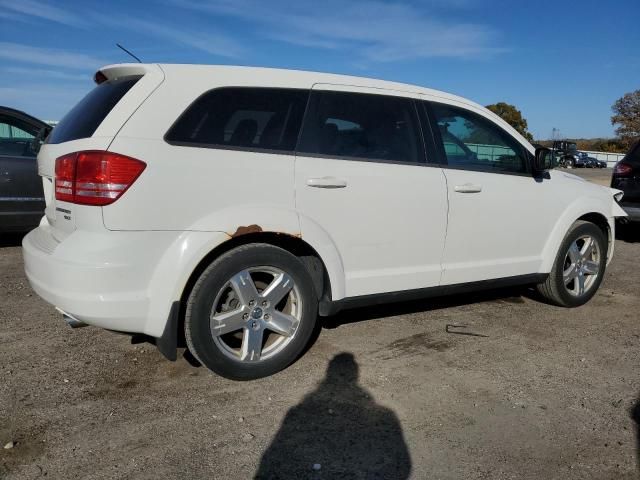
(237, 204)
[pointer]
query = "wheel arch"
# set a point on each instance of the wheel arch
(293, 244)
(587, 209)
(191, 253)
(607, 227)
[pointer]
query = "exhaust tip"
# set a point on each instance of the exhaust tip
(72, 321)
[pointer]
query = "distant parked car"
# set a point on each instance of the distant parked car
(578, 160)
(626, 177)
(566, 154)
(21, 196)
(589, 162)
(595, 163)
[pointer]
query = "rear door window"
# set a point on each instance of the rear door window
(242, 118)
(362, 126)
(85, 118)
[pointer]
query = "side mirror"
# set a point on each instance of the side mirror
(543, 160)
(39, 139)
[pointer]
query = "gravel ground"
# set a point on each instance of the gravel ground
(545, 392)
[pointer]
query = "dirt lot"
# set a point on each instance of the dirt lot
(547, 393)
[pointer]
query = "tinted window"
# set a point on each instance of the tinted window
(16, 137)
(633, 156)
(356, 125)
(245, 118)
(473, 142)
(84, 119)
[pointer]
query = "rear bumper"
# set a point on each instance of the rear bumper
(100, 279)
(123, 281)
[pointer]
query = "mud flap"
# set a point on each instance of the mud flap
(168, 343)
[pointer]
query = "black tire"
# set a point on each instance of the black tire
(553, 289)
(570, 163)
(198, 332)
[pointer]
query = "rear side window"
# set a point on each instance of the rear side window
(242, 118)
(362, 126)
(85, 118)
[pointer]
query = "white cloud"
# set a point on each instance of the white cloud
(18, 52)
(209, 42)
(34, 8)
(42, 100)
(42, 73)
(371, 30)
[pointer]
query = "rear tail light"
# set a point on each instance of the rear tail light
(622, 169)
(95, 178)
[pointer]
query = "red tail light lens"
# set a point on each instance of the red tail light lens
(65, 177)
(622, 169)
(95, 178)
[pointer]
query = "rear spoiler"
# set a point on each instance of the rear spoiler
(110, 72)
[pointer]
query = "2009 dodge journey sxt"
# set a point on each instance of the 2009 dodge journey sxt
(238, 204)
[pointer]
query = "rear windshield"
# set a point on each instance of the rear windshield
(83, 119)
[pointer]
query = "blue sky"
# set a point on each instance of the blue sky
(562, 63)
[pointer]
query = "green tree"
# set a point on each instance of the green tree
(513, 117)
(626, 114)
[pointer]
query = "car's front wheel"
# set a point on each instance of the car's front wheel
(578, 268)
(251, 313)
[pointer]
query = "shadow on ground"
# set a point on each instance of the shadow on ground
(11, 239)
(635, 415)
(337, 431)
(629, 232)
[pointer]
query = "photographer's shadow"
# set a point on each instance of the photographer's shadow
(635, 416)
(337, 432)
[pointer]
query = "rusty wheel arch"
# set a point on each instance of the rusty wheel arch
(294, 244)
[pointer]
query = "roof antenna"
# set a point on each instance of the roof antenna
(127, 51)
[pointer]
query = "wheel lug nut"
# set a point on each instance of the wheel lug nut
(252, 303)
(245, 316)
(267, 316)
(265, 303)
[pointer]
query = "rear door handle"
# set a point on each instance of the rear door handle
(326, 182)
(468, 188)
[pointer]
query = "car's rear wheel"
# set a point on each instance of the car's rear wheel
(570, 163)
(578, 268)
(251, 313)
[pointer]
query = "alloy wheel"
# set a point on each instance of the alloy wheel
(256, 314)
(581, 265)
